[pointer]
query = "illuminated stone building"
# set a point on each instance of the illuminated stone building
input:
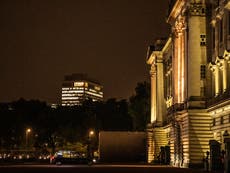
(190, 82)
(218, 102)
(77, 88)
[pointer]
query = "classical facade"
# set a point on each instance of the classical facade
(190, 82)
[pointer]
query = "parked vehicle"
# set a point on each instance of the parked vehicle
(67, 156)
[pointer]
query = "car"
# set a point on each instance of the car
(69, 157)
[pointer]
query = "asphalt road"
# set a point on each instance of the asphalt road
(93, 169)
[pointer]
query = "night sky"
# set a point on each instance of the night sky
(43, 40)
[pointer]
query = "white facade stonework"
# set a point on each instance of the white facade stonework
(190, 78)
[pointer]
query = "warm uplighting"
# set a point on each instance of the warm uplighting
(153, 73)
(179, 62)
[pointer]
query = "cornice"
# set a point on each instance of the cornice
(158, 55)
(167, 44)
(176, 10)
(154, 56)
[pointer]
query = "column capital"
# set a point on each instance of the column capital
(179, 26)
(153, 70)
(219, 62)
(212, 67)
(227, 56)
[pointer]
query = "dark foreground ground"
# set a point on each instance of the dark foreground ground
(94, 169)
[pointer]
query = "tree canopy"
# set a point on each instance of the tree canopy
(56, 128)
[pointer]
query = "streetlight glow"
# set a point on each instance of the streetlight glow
(28, 130)
(91, 133)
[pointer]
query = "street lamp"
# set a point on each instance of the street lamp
(89, 147)
(91, 133)
(28, 131)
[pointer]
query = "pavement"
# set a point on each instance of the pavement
(102, 168)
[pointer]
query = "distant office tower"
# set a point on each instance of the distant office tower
(77, 88)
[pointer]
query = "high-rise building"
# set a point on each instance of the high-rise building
(190, 86)
(77, 88)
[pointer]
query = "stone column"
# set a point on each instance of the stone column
(225, 80)
(178, 63)
(217, 79)
(153, 75)
(160, 93)
(228, 74)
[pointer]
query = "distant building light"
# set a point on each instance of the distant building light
(97, 88)
(76, 84)
(54, 106)
(78, 88)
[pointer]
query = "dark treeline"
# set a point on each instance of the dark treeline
(52, 128)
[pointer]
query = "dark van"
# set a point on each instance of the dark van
(69, 157)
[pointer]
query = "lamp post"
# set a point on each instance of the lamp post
(28, 131)
(89, 147)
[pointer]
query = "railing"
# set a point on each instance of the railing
(218, 99)
(198, 103)
(176, 107)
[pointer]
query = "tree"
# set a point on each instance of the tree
(139, 106)
(113, 115)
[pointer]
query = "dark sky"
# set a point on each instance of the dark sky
(43, 40)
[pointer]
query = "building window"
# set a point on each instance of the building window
(203, 10)
(221, 120)
(202, 71)
(213, 122)
(202, 40)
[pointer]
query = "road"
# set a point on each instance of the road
(94, 169)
